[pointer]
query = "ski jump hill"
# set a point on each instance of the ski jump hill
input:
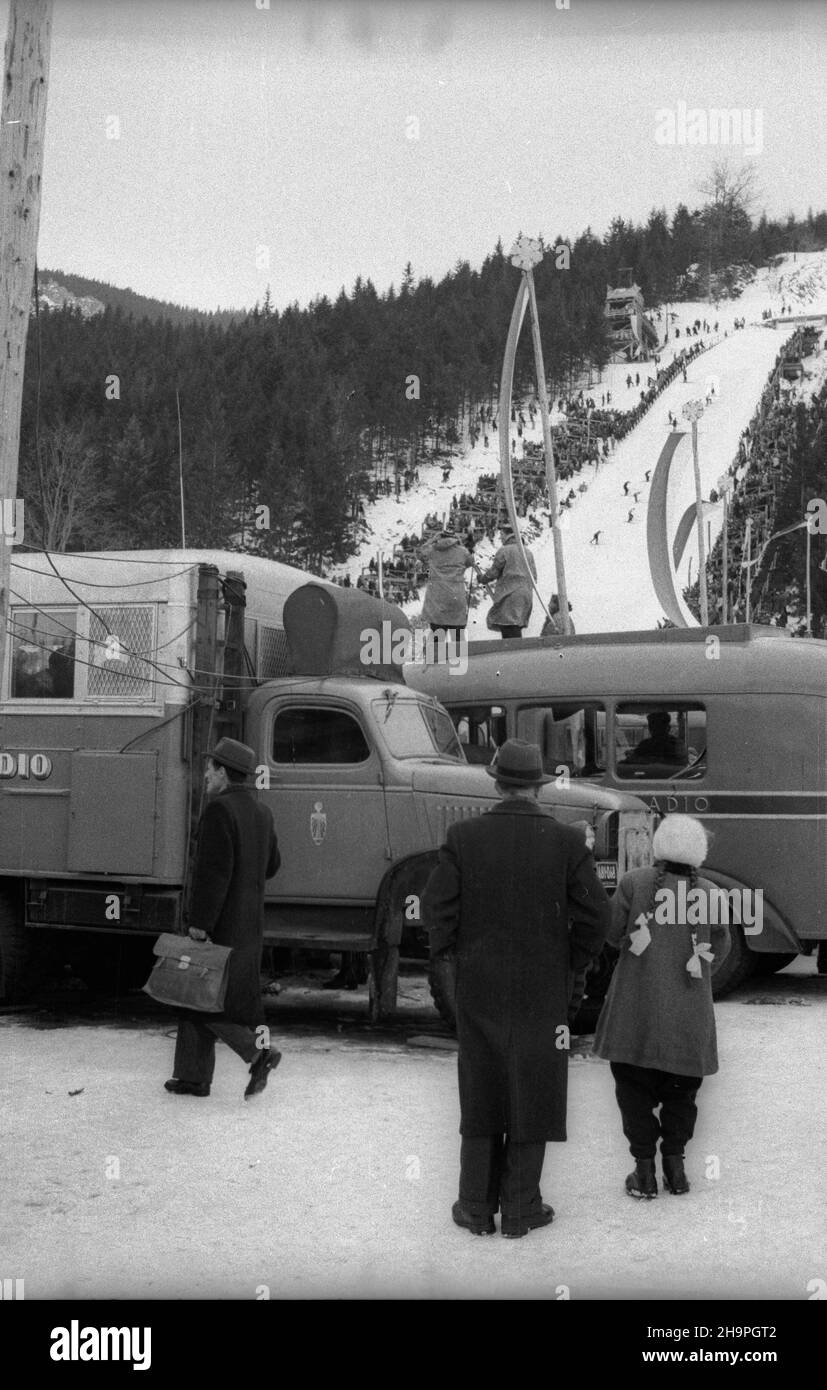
(609, 583)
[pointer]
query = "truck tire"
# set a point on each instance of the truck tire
(114, 967)
(768, 962)
(383, 982)
(443, 983)
(15, 949)
(738, 966)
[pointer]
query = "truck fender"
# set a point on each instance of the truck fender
(775, 933)
(400, 894)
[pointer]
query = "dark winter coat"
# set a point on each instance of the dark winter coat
(504, 890)
(656, 1015)
(514, 595)
(237, 851)
(446, 601)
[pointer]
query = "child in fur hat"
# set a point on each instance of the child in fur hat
(657, 1028)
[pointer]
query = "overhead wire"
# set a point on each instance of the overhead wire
(95, 666)
(96, 642)
(93, 584)
(126, 558)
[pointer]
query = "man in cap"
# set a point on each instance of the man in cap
(446, 601)
(515, 896)
(237, 852)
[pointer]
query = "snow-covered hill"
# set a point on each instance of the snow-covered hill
(609, 583)
(53, 295)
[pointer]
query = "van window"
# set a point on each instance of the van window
(43, 653)
(317, 735)
(481, 729)
(657, 742)
(570, 733)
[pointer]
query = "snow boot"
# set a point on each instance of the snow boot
(674, 1177)
(642, 1182)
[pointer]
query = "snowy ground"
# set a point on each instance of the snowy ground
(338, 1181)
(739, 363)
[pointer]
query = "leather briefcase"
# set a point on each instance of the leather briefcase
(189, 974)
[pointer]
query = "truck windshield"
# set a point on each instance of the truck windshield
(414, 729)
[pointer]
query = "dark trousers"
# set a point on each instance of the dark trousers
(495, 1172)
(195, 1045)
(512, 630)
(639, 1091)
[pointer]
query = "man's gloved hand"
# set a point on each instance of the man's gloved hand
(197, 934)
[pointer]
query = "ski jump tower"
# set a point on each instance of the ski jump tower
(632, 335)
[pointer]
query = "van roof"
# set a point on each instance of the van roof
(650, 664)
(119, 576)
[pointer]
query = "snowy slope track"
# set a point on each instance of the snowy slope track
(609, 583)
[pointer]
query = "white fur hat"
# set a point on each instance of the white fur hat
(681, 839)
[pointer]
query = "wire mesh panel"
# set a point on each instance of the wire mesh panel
(273, 653)
(120, 635)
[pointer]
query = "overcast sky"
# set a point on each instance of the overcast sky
(306, 143)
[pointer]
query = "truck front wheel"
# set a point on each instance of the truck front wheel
(383, 981)
(112, 967)
(15, 949)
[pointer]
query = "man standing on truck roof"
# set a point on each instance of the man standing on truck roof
(446, 601)
(515, 896)
(237, 852)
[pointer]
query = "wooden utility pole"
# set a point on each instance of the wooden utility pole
(25, 83)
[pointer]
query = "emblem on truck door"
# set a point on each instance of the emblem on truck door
(318, 823)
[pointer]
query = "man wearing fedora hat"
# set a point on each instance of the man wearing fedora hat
(237, 852)
(516, 898)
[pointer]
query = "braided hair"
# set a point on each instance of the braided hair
(668, 866)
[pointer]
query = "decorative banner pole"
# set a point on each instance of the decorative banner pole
(525, 254)
(809, 583)
(724, 486)
(748, 565)
(692, 411)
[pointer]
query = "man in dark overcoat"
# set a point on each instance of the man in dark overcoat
(515, 895)
(237, 851)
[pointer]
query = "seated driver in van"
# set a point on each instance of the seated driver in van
(661, 746)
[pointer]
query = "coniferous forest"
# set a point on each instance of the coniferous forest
(295, 410)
